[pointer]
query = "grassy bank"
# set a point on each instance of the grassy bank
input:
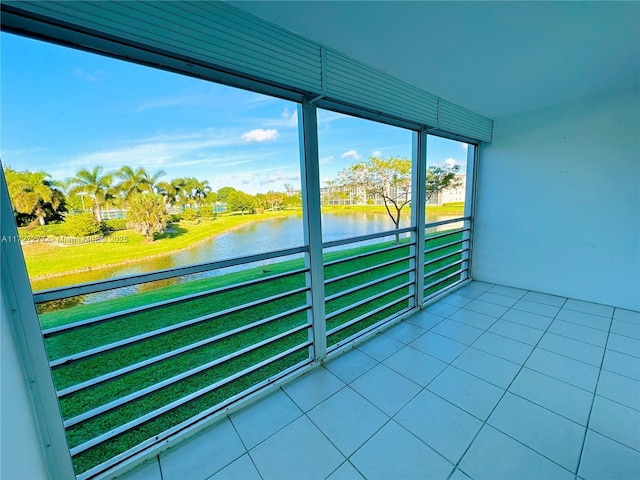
(127, 246)
(446, 209)
(134, 324)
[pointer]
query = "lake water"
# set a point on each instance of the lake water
(259, 237)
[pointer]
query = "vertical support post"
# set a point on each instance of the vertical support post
(418, 210)
(23, 319)
(469, 207)
(312, 224)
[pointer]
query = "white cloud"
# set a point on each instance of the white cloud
(291, 119)
(279, 177)
(260, 135)
(450, 162)
(376, 153)
(325, 160)
(163, 102)
(89, 76)
(464, 146)
(350, 154)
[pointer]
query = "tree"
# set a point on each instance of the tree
(136, 181)
(223, 193)
(195, 191)
(171, 191)
(146, 213)
(33, 194)
(97, 186)
(240, 201)
(389, 179)
(274, 199)
(440, 178)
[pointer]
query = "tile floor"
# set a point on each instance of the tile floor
(491, 382)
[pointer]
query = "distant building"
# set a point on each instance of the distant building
(343, 195)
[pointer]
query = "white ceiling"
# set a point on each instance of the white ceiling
(496, 58)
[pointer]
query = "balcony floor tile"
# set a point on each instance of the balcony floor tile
(258, 422)
(348, 420)
(242, 469)
(606, 459)
(415, 365)
(504, 347)
(299, 450)
(346, 471)
(437, 408)
(441, 425)
(473, 395)
(350, 365)
(567, 400)
(395, 453)
(438, 346)
(549, 434)
(495, 455)
(313, 388)
(386, 389)
(495, 370)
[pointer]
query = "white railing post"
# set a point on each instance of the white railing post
(418, 210)
(469, 207)
(25, 325)
(312, 224)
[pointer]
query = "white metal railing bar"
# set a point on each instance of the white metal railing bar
(442, 247)
(143, 308)
(177, 378)
(366, 300)
(161, 331)
(370, 236)
(367, 284)
(444, 279)
(189, 423)
(367, 254)
(365, 270)
(442, 269)
(112, 283)
(173, 405)
(444, 257)
(445, 289)
(137, 366)
(448, 233)
(445, 222)
(369, 314)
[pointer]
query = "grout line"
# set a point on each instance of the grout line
(593, 400)
(498, 403)
(246, 449)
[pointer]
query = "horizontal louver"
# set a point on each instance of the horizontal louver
(212, 32)
(458, 120)
(233, 41)
(353, 82)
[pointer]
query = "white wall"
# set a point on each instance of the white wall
(558, 205)
(21, 454)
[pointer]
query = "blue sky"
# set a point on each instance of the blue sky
(62, 110)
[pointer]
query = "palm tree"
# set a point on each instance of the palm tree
(97, 186)
(133, 181)
(31, 191)
(171, 191)
(195, 191)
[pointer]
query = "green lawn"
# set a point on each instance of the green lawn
(43, 259)
(71, 373)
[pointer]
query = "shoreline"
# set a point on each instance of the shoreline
(148, 257)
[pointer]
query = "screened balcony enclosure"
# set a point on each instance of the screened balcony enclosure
(345, 275)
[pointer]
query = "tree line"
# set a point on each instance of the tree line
(38, 199)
